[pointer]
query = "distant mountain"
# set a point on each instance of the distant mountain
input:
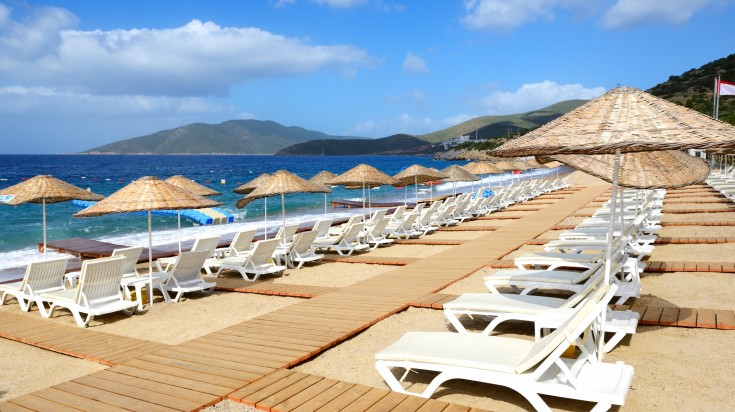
(399, 144)
(231, 137)
(695, 88)
(489, 127)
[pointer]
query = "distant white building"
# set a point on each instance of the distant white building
(455, 141)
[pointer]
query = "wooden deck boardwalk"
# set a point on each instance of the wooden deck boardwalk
(248, 362)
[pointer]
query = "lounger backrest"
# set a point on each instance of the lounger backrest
(377, 215)
(377, 229)
(286, 233)
(418, 208)
(188, 266)
(410, 220)
(592, 284)
(263, 251)
(45, 274)
(352, 232)
(303, 242)
(398, 212)
(208, 244)
(552, 345)
(242, 241)
(131, 254)
(321, 227)
(100, 279)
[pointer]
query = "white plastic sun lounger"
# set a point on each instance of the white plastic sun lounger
(201, 244)
(544, 311)
(186, 276)
(404, 230)
(303, 250)
(346, 243)
(256, 264)
(530, 368)
(374, 234)
(40, 277)
(98, 293)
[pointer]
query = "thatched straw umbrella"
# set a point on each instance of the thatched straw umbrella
(620, 121)
(416, 174)
(482, 168)
(363, 176)
(44, 189)
(281, 183)
(143, 195)
(456, 174)
(249, 187)
(193, 187)
(644, 170)
(322, 178)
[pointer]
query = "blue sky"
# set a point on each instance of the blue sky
(77, 74)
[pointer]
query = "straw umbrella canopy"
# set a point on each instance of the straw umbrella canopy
(456, 174)
(252, 185)
(193, 187)
(415, 174)
(249, 187)
(322, 178)
(143, 195)
(644, 170)
(363, 176)
(44, 189)
(620, 121)
(281, 183)
(482, 168)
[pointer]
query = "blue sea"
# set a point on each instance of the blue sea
(105, 174)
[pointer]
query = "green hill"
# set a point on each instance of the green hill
(489, 127)
(695, 88)
(231, 137)
(400, 144)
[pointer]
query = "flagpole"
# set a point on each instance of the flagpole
(714, 101)
(717, 106)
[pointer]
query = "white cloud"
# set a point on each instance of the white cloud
(414, 64)
(533, 96)
(627, 13)
(200, 58)
(404, 123)
(340, 4)
(504, 15)
(283, 3)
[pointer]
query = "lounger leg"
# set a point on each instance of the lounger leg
(452, 317)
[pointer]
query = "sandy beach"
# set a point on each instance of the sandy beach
(675, 368)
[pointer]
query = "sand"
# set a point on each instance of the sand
(332, 274)
(28, 369)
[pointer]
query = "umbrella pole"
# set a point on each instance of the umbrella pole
(325, 204)
(178, 224)
(405, 195)
(265, 218)
(43, 204)
(608, 252)
(150, 260)
(416, 188)
(454, 188)
(283, 216)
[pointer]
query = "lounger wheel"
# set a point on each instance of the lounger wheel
(131, 311)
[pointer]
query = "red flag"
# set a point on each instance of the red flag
(726, 88)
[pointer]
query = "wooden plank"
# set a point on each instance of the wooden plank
(148, 364)
(305, 395)
(725, 319)
(387, 402)
(276, 386)
(205, 360)
(200, 398)
(669, 317)
(154, 377)
(138, 393)
(345, 398)
(706, 318)
(221, 373)
(109, 398)
(325, 397)
(288, 392)
(367, 400)
(76, 401)
(243, 393)
(410, 404)
(453, 407)
(687, 318)
(652, 315)
(11, 407)
(432, 405)
(31, 402)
